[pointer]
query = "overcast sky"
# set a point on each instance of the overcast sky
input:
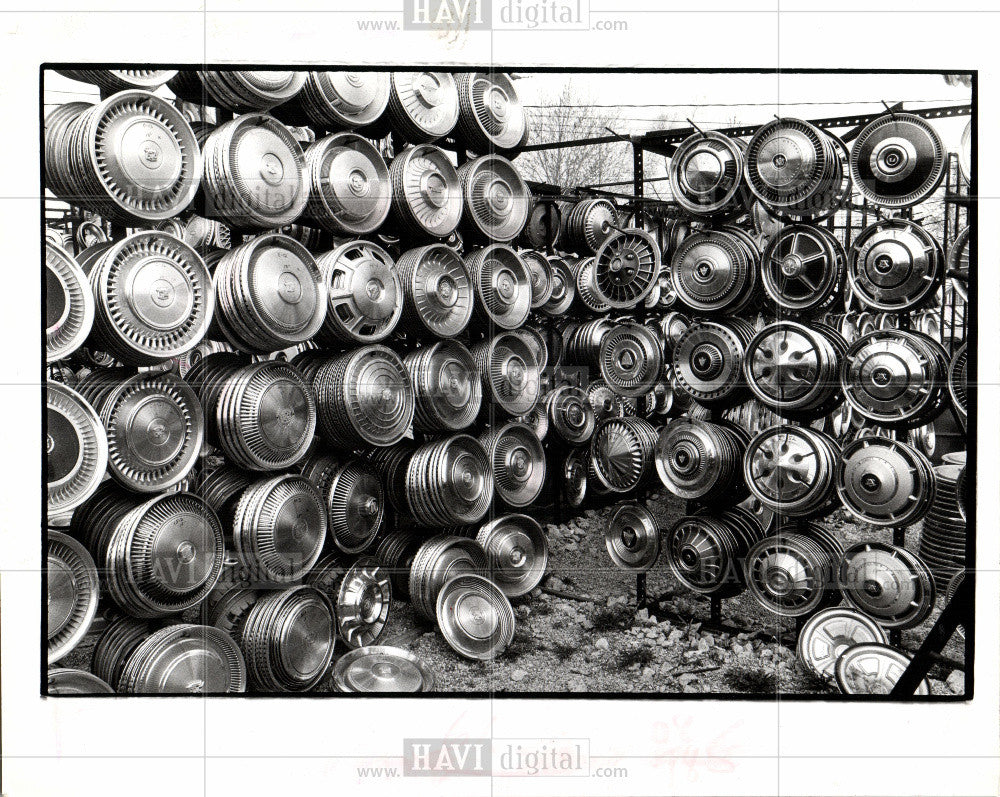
(716, 99)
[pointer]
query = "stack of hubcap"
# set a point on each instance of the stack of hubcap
(449, 482)
(239, 90)
(288, 640)
(76, 453)
(793, 573)
(895, 265)
(791, 470)
(73, 591)
(271, 293)
(632, 538)
(132, 158)
(502, 286)
(349, 192)
(437, 290)
(279, 528)
(518, 463)
(154, 298)
(705, 551)
(491, 117)
(69, 304)
(184, 659)
(364, 398)
(621, 453)
(439, 559)
(426, 192)
(509, 373)
(254, 173)
(447, 390)
(885, 482)
(154, 424)
(517, 553)
(697, 460)
(888, 583)
(895, 377)
(496, 199)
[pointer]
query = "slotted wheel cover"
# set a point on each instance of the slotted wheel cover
(827, 634)
(364, 290)
(437, 288)
(426, 191)
(423, 106)
(873, 669)
(497, 200)
(894, 265)
(885, 482)
(626, 267)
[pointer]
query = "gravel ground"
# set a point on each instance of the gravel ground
(601, 644)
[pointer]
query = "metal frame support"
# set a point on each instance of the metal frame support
(957, 611)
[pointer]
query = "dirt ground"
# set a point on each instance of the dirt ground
(601, 644)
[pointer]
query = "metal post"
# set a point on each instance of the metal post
(957, 611)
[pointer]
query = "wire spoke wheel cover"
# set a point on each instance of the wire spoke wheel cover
(885, 482)
(380, 668)
(827, 634)
(185, 659)
(517, 553)
(873, 669)
(888, 583)
(897, 160)
(475, 617)
(76, 453)
(518, 463)
(349, 189)
(632, 538)
(426, 192)
(895, 265)
(73, 591)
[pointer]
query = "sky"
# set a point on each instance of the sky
(714, 100)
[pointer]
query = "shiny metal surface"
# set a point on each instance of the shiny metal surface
(475, 617)
(873, 669)
(380, 668)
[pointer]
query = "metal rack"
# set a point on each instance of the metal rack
(958, 202)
